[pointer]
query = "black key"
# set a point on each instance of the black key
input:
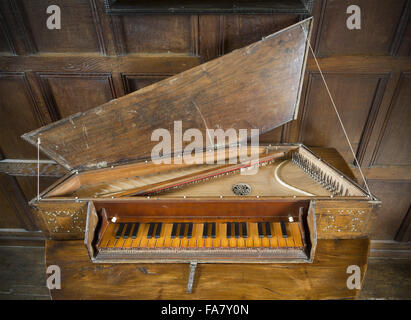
(260, 230)
(244, 227)
(135, 230)
(283, 229)
(268, 230)
(228, 230)
(182, 230)
(158, 230)
(190, 230)
(120, 230)
(237, 229)
(205, 230)
(128, 229)
(213, 227)
(151, 230)
(174, 230)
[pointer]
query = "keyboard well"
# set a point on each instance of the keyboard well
(213, 231)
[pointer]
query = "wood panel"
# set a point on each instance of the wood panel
(69, 93)
(77, 33)
(405, 45)
(6, 42)
(133, 82)
(16, 27)
(91, 63)
(18, 111)
(404, 231)
(395, 197)
(8, 218)
(211, 36)
(379, 23)
(21, 217)
(242, 30)
(159, 34)
(357, 97)
(394, 144)
(31, 168)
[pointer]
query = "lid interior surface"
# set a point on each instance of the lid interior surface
(256, 87)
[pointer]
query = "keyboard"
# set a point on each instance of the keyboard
(203, 235)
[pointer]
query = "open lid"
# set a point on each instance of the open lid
(256, 87)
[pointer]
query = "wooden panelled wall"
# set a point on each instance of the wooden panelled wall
(49, 74)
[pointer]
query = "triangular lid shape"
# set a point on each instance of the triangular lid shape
(256, 87)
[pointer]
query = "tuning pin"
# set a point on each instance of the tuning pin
(317, 174)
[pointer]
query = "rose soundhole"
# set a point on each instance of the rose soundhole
(241, 189)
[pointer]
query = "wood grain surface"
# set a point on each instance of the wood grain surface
(260, 84)
(325, 278)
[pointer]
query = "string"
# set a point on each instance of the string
(338, 115)
(38, 169)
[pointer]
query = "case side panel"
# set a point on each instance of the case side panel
(343, 219)
(61, 220)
